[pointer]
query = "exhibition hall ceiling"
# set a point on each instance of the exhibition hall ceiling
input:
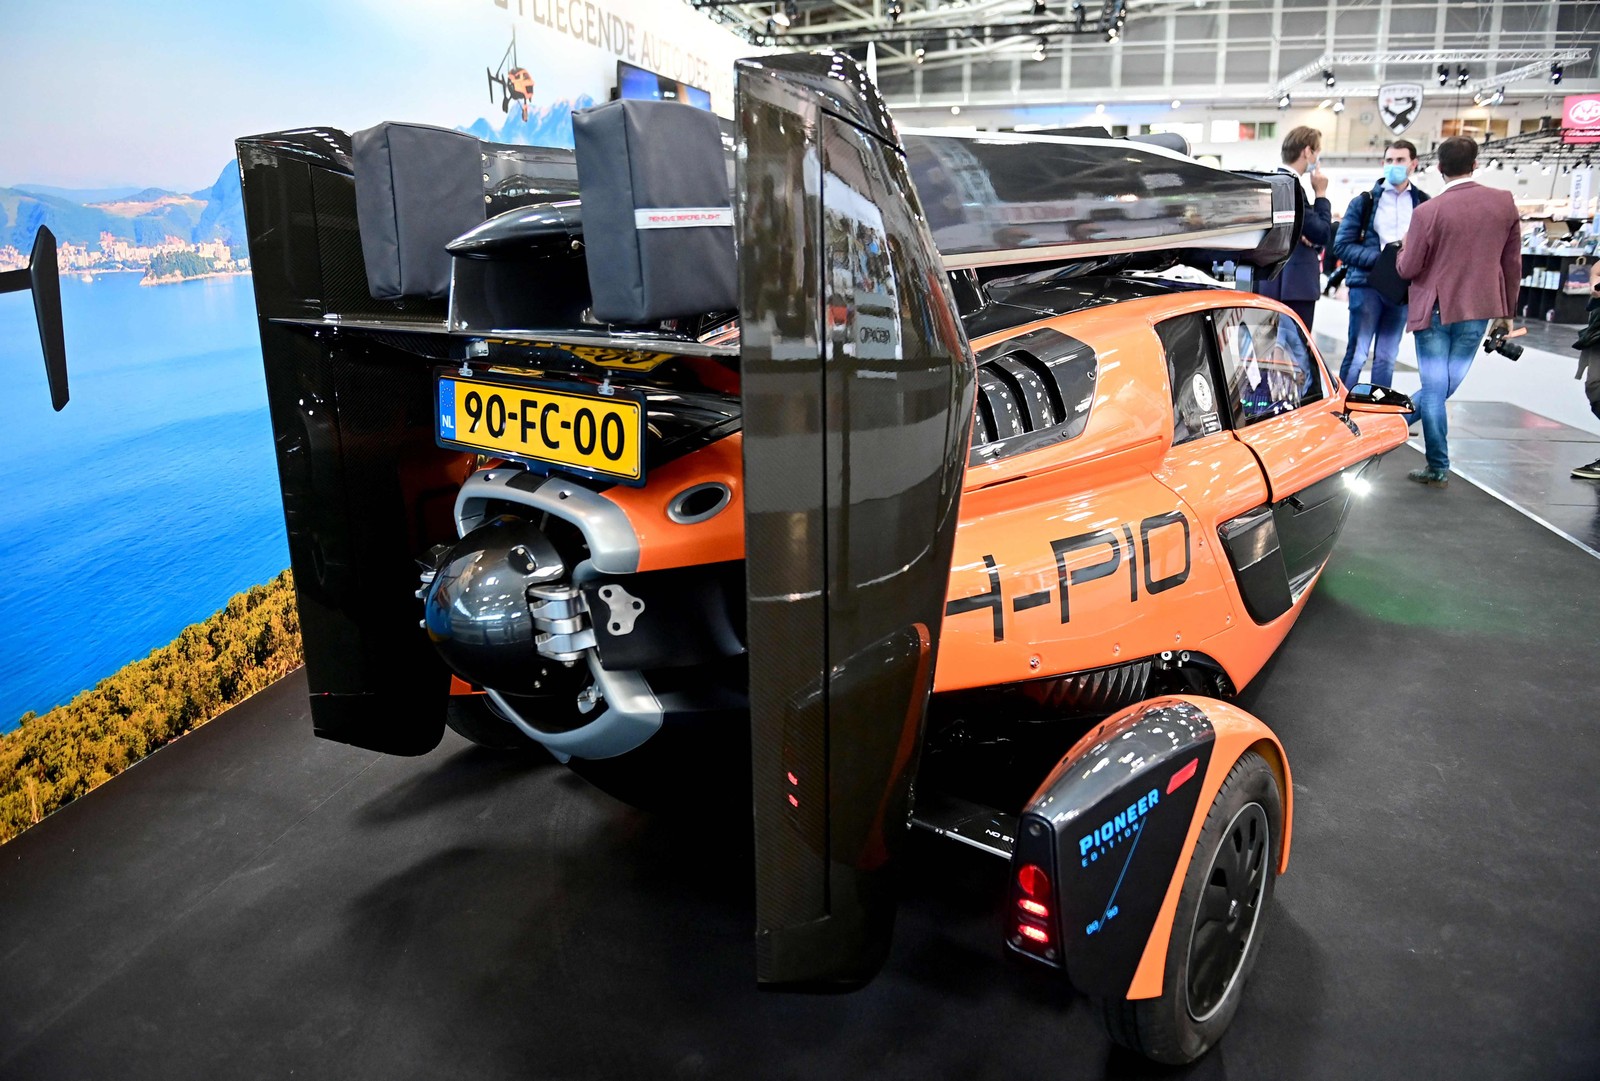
(993, 51)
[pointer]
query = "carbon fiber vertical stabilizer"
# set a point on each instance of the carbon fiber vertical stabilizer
(857, 386)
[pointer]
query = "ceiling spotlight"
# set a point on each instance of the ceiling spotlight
(1494, 163)
(1516, 168)
(1462, 75)
(919, 54)
(1283, 102)
(1114, 31)
(1079, 15)
(894, 11)
(1545, 171)
(1338, 106)
(1100, 109)
(1041, 48)
(1176, 103)
(1555, 74)
(1326, 103)
(955, 110)
(1038, 7)
(1443, 74)
(1499, 96)
(780, 16)
(1327, 78)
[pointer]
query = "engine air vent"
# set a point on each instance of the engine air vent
(1033, 391)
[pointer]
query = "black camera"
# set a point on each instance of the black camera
(1496, 343)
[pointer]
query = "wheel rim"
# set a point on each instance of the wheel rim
(1230, 906)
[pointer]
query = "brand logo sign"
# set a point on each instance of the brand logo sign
(1580, 118)
(1399, 104)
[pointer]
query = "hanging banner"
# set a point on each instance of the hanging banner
(1399, 104)
(1578, 198)
(1580, 118)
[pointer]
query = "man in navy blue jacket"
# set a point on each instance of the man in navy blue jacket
(1299, 283)
(1374, 220)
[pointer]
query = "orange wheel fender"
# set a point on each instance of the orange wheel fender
(1104, 845)
(1237, 732)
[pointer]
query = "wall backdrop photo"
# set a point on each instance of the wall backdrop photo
(143, 522)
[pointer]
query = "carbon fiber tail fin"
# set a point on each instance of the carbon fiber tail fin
(41, 278)
(858, 397)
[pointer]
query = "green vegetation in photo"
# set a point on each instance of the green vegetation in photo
(53, 759)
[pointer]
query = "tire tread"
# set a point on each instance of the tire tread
(1148, 1026)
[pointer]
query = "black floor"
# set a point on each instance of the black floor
(1527, 460)
(251, 902)
(1551, 337)
(1519, 456)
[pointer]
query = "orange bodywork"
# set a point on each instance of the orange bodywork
(664, 543)
(1120, 494)
(1097, 550)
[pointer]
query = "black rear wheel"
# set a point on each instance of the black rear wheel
(1216, 932)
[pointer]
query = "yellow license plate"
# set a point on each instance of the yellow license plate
(589, 433)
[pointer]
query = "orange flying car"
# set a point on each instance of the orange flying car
(894, 481)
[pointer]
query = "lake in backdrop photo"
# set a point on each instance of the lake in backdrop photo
(147, 502)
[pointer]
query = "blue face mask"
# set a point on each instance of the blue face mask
(1395, 174)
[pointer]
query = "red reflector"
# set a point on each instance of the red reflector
(1033, 908)
(793, 802)
(793, 779)
(1033, 881)
(1182, 775)
(1038, 934)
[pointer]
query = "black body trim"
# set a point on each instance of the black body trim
(1254, 552)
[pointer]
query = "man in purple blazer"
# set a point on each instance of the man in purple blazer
(1463, 256)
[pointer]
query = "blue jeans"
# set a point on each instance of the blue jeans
(1444, 353)
(1376, 323)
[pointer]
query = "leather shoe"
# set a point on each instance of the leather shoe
(1436, 478)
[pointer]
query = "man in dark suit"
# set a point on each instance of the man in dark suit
(1299, 283)
(1376, 218)
(1463, 257)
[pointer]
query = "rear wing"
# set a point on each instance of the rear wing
(1010, 200)
(40, 277)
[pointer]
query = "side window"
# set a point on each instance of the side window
(1267, 362)
(1195, 401)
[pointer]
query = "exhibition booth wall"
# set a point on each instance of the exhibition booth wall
(152, 499)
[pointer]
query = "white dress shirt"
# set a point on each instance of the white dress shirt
(1393, 216)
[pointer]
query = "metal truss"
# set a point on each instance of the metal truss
(889, 24)
(1331, 61)
(1536, 148)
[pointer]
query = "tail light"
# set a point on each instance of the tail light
(1032, 919)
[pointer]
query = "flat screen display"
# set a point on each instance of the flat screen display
(636, 82)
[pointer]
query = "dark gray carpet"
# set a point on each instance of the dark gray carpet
(251, 902)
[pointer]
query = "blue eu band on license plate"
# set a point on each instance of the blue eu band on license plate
(590, 433)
